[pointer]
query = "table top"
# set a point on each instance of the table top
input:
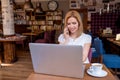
(12, 39)
(35, 76)
(107, 35)
(117, 42)
(32, 33)
(29, 34)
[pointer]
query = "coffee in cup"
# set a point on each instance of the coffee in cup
(96, 68)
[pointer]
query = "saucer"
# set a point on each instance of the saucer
(103, 73)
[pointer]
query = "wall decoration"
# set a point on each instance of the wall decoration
(74, 4)
(105, 1)
(90, 4)
(91, 8)
(117, 6)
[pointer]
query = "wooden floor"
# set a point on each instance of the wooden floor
(19, 70)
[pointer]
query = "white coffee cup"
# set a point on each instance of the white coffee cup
(96, 68)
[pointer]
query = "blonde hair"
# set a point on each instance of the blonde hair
(76, 15)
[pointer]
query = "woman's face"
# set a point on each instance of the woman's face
(72, 25)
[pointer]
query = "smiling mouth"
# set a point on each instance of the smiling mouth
(72, 29)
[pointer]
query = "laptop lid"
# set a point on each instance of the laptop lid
(56, 59)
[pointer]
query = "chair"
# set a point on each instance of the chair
(95, 56)
(49, 37)
(1, 54)
(111, 60)
(21, 43)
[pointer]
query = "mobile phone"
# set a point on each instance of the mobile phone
(67, 30)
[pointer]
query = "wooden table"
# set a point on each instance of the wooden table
(9, 48)
(117, 42)
(106, 35)
(35, 76)
(32, 34)
(114, 45)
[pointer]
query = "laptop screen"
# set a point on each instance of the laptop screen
(56, 59)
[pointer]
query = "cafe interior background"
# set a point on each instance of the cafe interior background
(24, 21)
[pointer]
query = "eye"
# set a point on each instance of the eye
(73, 22)
(68, 23)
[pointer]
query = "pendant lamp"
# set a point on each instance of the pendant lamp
(38, 8)
(28, 5)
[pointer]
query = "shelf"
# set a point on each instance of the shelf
(19, 11)
(47, 19)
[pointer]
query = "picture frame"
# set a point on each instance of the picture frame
(91, 8)
(74, 4)
(117, 5)
(90, 4)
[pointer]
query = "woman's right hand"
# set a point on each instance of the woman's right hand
(66, 33)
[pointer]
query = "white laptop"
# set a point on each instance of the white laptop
(56, 59)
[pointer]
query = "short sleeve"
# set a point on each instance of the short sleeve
(88, 39)
(61, 38)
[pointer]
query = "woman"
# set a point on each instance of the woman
(73, 33)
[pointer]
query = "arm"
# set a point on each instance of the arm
(86, 51)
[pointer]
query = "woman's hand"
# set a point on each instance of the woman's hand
(66, 33)
(66, 36)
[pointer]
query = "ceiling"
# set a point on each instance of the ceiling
(21, 1)
(34, 0)
(31, 0)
